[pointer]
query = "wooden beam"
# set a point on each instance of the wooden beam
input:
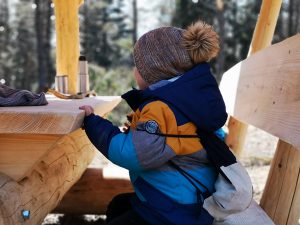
(19, 153)
(44, 186)
(92, 193)
(67, 40)
(262, 38)
(267, 92)
(265, 26)
(28, 133)
(281, 197)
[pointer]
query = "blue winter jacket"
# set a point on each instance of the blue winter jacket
(163, 114)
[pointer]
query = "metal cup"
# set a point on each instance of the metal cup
(83, 75)
(83, 83)
(61, 84)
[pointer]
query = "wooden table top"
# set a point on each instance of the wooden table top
(60, 116)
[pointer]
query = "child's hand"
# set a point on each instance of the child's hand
(87, 109)
(129, 117)
(127, 124)
(126, 127)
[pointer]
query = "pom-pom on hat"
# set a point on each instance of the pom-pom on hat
(167, 52)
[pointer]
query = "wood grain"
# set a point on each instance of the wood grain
(44, 186)
(263, 90)
(19, 153)
(92, 193)
(58, 117)
(281, 196)
(294, 213)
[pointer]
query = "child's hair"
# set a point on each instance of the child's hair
(167, 52)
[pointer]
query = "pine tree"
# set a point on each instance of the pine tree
(24, 55)
(43, 30)
(134, 21)
(5, 45)
(233, 20)
(102, 28)
(289, 20)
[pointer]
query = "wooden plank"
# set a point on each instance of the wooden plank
(18, 153)
(67, 40)
(92, 193)
(281, 195)
(262, 38)
(58, 117)
(44, 186)
(263, 90)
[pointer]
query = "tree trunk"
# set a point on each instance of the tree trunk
(39, 24)
(291, 16)
(5, 71)
(221, 22)
(43, 28)
(297, 12)
(135, 21)
(50, 74)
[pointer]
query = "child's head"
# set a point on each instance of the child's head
(167, 52)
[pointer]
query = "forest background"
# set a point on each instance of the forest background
(108, 31)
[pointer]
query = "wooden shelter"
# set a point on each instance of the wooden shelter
(43, 151)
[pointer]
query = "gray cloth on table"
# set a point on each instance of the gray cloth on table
(15, 97)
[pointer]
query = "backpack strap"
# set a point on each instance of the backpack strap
(218, 152)
(200, 194)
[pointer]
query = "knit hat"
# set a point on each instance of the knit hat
(167, 52)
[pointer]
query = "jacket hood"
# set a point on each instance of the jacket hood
(195, 94)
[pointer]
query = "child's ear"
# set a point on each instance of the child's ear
(142, 84)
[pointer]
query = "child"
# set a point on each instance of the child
(178, 100)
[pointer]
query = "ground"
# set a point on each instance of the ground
(257, 154)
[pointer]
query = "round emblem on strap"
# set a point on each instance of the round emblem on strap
(151, 126)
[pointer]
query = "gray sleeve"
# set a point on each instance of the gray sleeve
(230, 198)
(151, 149)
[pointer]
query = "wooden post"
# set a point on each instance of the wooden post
(281, 197)
(67, 39)
(262, 38)
(265, 26)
